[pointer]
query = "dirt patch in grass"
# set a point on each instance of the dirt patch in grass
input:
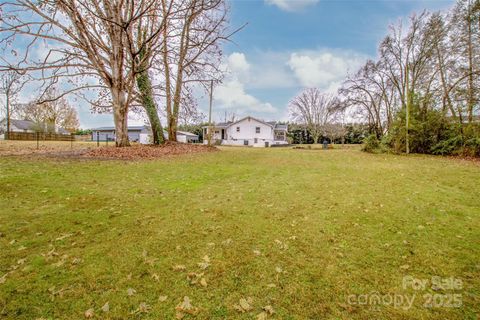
(20, 148)
(137, 152)
(89, 150)
(465, 159)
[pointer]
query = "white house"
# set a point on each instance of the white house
(248, 131)
(141, 134)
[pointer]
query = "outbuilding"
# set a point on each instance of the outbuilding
(140, 134)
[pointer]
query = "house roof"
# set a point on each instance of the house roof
(222, 124)
(130, 128)
(62, 131)
(186, 133)
(279, 126)
(21, 124)
(31, 125)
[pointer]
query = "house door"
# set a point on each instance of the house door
(223, 134)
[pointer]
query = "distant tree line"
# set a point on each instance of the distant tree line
(347, 134)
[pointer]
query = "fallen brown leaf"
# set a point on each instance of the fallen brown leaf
(89, 313)
(106, 307)
(244, 305)
(147, 151)
(179, 267)
(185, 307)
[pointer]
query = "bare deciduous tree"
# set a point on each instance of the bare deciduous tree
(464, 27)
(89, 44)
(191, 52)
(370, 92)
(314, 110)
(51, 114)
(432, 64)
(11, 83)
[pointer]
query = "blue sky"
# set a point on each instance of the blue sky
(289, 45)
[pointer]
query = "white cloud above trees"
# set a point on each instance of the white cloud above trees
(232, 95)
(237, 63)
(291, 5)
(288, 71)
(324, 68)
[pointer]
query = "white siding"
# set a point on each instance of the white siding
(248, 131)
(103, 135)
(245, 132)
(145, 138)
(181, 138)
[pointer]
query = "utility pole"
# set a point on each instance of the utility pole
(209, 133)
(407, 113)
(7, 102)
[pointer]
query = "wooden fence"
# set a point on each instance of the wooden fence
(83, 137)
(40, 136)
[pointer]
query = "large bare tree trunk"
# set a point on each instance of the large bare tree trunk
(148, 103)
(173, 120)
(120, 117)
(168, 86)
(172, 128)
(145, 89)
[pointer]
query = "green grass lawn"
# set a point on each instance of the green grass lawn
(298, 230)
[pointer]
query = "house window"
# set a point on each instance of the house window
(238, 129)
(257, 129)
(216, 131)
(256, 140)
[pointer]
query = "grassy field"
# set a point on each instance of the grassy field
(307, 232)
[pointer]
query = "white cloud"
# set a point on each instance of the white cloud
(232, 95)
(238, 63)
(291, 5)
(324, 68)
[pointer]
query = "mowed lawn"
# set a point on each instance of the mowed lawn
(297, 230)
